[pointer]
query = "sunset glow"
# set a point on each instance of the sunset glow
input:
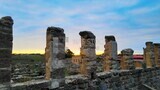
(28, 52)
(132, 22)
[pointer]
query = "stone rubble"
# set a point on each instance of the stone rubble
(22, 72)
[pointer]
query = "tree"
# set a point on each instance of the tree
(69, 53)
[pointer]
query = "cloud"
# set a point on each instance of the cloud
(144, 10)
(126, 3)
(131, 24)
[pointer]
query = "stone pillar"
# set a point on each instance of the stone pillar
(6, 38)
(55, 54)
(157, 54)
(127, 62)
(87, 52)
(149, 56)
(110, 54)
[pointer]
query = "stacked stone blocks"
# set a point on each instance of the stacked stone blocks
(110, 54)
(6, 38)
(87, 52)
(55, 54)
(157, 54)
(127, 62)
(149, 55)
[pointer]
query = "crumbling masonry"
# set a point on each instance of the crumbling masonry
(110, 54)
(111, 78)
(149, 55)
(6, 38)
(55, 54)
(127, 62)
(87, 53)
(157, 53)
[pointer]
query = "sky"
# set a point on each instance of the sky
(132, 22)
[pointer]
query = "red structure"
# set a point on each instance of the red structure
(138, 57)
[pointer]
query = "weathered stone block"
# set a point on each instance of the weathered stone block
(6, 44)
(5, 50)
(6, 36)
(61, 55)
(4, 76)
(55, 31)
(6, 21)
(4, 29)
(87, 52)
(22, 87)
(58, 73)
(62, 40)
(5, 62)
(54, 52)
(5, 53)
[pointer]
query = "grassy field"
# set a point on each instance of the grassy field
(27, 58)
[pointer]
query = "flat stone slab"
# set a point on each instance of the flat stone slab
(31, 85)
(86, 34)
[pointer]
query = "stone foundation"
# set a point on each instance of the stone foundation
(138, 79)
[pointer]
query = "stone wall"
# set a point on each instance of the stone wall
(6, 38)
(138, 79)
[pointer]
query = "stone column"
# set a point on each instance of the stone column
(157, 54)
(55, 54)
(149, 56)
(127, 62)
(87, 52)
(6, 38)
(110, 54)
